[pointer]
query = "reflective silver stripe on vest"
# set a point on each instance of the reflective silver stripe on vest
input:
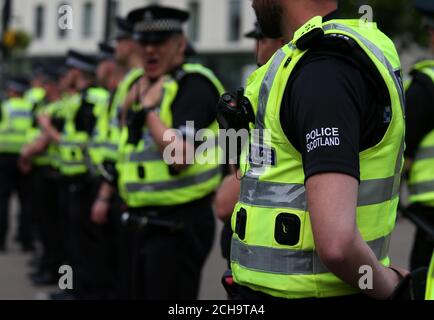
(293, 196)
(377, 191)
(289, 261)
(421, 187)
(376, 52)
(272, 194)
(424, 153)
(20, 114)
(73, 144)
(266, 85)
(173, 184)
(105, 145)
(12, 131)
(143, 156)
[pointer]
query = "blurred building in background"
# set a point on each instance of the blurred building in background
(31, 31)
(216, 30)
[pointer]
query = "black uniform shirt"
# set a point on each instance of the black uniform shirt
(420, 112)
(196, 101)
(331, 111)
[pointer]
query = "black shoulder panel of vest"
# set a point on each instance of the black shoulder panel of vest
(347, 49)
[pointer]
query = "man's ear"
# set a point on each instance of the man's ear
(182, 45)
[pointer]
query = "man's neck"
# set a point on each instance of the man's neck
(300, 12)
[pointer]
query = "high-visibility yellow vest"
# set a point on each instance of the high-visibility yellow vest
(71, 159)
(114, 132)
(16, 121)
(100, 98)
(273, 249)
(421, 175)
(79, 152)
(50, 157)
(145, 178)
(36, 96)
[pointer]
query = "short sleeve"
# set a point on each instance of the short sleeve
(325, 100)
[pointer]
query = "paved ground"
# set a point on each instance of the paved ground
(14, 283)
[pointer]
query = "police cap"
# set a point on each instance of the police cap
(155, 24)
(124, 29)
(80, 61)
(106, 51)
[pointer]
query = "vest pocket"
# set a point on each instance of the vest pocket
(240, 224)
(287, 229)
(141, 171)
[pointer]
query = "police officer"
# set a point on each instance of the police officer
(169, 200)
(16, 120)
(228, 192)
(420, 143)
(107, 206)
(265, 47)
(52, 120)
(35, 156)
(127, 58)
(81, 132)
(108, 74)
(320, 190)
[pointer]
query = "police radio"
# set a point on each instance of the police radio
(235, 112)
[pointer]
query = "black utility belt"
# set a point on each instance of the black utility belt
(139, 218)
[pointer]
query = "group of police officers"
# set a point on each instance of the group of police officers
(84, 147)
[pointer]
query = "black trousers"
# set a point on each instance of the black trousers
(46, 205)
(88, 250)
(11, 180)
(423, 246)
(169, 262)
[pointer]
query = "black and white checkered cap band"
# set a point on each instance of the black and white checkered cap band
(161, 25)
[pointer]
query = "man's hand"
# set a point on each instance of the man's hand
(133, 97)
(226, 197)
(100, 211)
(25, 165)
(403, 272)
(153, 94)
